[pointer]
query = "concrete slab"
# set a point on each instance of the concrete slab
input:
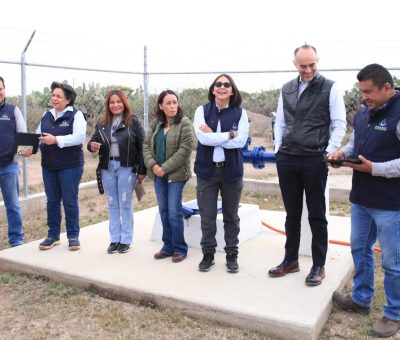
(284, 307)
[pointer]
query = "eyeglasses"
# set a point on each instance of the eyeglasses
(220, 84)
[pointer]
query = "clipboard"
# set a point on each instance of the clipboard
(24, 139)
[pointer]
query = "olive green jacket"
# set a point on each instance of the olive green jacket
(179, 146)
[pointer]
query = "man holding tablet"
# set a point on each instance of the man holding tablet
(375, 197)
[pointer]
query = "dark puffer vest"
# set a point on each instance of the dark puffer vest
(307, 118)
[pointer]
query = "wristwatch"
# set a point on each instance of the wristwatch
(231, 134)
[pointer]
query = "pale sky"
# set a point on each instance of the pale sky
(206, 35)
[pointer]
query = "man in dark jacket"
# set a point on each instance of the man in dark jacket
(11, 122)
(310, 122)
(375, 197)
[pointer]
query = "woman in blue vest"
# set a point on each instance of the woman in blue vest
(63, 130)
(166, 151)
(119, 138)
(222, 128)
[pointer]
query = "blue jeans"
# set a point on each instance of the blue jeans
(118, 183)
(62, 184)
(169, 198)
(9, 189)
(366, 226)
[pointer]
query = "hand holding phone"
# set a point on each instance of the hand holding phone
(343, 160)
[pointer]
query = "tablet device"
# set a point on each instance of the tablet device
(341, 161)
(24, 140)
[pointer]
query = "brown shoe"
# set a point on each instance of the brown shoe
(386, 327)
(178, 257)
(161, 255)
(316, 275)
(345, 302)
(284, 268)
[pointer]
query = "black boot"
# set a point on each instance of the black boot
(206, 262)
(231, 263)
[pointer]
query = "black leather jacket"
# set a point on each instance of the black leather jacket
(130, 141)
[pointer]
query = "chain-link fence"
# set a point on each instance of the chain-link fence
(91, 88)
(260, 90)
(92, 85)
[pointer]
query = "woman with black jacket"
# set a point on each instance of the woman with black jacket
(119, 138)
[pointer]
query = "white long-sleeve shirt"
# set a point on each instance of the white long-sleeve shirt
(337, 114)
(218, 139)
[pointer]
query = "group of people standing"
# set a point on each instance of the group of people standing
(127, 155)
(221, 127)
(310, 125)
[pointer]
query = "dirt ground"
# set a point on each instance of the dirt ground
(36, 308)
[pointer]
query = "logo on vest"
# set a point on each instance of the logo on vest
(382, 126)
(4, 116)
(64, 123)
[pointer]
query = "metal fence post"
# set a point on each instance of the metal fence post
(23, 108)
(145, 92)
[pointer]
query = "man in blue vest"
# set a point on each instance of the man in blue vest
(310, 123)
(375, 197)
(11, 122)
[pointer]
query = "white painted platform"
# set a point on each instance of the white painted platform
(284, 307)
(250, 213)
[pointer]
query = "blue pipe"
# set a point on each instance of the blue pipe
(258, 157)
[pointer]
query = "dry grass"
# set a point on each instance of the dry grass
(36, 308)
(45, 309)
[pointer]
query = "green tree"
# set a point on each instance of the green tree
(190, 99)
(263, 102)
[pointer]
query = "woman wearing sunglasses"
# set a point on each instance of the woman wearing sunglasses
(167, 150)
(119, 139)
(222, 128)
(63, 130)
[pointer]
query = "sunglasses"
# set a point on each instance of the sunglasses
(220, 84)
(113, 130)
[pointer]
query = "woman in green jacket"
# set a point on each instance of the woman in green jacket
(166, 153)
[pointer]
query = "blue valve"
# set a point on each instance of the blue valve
(258, 156)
